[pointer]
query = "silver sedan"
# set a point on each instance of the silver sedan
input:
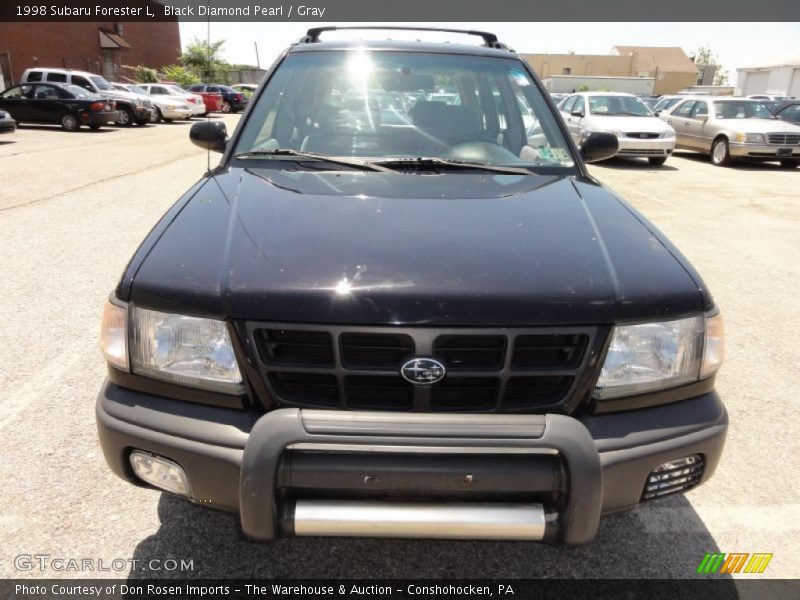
(728, 129)
(640, 133)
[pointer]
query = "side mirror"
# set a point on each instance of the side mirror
(209, 135)
(599, 146)
(657, 113)
(577, 113)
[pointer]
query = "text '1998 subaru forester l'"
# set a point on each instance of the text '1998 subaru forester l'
(400, 306)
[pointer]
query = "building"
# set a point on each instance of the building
(97, 47)
(781, 78)
(670, 67)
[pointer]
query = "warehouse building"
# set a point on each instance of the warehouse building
(670, 67)
(782, 79)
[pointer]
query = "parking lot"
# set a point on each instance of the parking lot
(73, 208)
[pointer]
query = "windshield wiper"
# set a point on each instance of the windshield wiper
(432, 162)
(336, 160)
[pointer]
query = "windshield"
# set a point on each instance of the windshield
(79, 92)
(101, 83)
(742, 109)
(177, 89)
(396, 105)
(667, 103)
(137, 90)
(611, 106)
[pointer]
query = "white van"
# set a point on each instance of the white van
(132, 107)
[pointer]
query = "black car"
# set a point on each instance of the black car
(787, 110)
(447, 328)
(7, 124)
(68, 105)
(232, 101)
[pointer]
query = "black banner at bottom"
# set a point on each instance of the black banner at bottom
(388, 589)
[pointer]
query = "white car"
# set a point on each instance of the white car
(639, 132)
(168, 90)
(164, 108)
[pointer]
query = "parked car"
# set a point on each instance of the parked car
(174, 92)
(650, 101)
(768, 97)
(130, 107)
(428, 331)
(165, 108)
(640, 133)
(558, 96)
(232, 101)
(787, 110)
(730, 129)
(7, 124)
(69, 105)
(667, 102)
(248, 89)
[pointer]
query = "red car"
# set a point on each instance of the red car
(212, 100)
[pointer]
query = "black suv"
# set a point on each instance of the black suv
(411, 318)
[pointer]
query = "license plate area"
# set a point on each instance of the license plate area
(784, 151)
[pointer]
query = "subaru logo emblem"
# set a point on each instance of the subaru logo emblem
(422, 371)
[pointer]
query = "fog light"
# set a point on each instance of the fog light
(673, 477)
(160, 472)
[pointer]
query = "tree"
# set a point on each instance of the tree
(144, 74)
(205, 61)
(180, 75)
(705, 57)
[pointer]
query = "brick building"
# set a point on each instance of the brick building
(97, 47)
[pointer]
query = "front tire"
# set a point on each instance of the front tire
(657, 161)
(70, 122)
(720, 153)
(790, 163)
(125, 117)
(156, 116)
(226, 107)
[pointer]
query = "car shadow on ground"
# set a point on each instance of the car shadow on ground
(665, 539)
(634, 163)
(743, 165)
(58, 128)
(6, 142)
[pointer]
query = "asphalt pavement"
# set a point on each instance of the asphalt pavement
(74, 207)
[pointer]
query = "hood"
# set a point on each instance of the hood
(758, 125)
(628, 124)
(120, 95)
(378, 248)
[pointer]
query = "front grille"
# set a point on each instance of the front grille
(642, 135)
(488, 370)
(784, 139)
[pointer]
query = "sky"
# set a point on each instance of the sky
(736, 45)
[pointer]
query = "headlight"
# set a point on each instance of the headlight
(186, 350)
(653, 356)
(669, 133)
(750, 138)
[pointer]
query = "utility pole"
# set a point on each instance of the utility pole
(258, 62)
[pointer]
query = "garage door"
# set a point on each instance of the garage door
(794, 87)
(756, 83)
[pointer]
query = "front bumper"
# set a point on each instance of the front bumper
(637, 148)
(762, 151)
(277, 469)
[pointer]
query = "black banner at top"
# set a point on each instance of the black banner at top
(406, 11)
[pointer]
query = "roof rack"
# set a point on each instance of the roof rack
(489, 39)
